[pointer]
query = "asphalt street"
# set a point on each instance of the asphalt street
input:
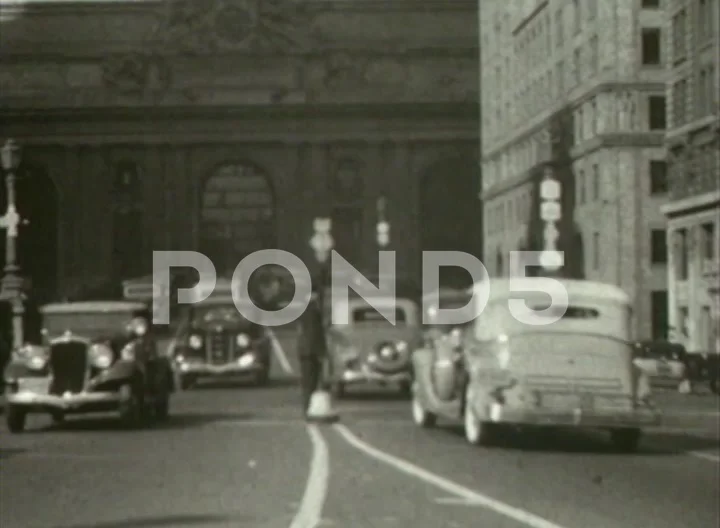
(237, 456)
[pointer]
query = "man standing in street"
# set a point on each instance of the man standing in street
(311, 346)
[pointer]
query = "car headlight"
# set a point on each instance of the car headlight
(242, 340)
(401, 346)
(35, 357)
(101, 356)
(195, 342)
(246, 360)
(128, 352)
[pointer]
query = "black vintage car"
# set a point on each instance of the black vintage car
(94, 356)
(215, 341)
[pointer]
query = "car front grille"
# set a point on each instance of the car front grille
(219, 348)
(68, 365)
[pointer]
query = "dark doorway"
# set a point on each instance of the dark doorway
(127, 222)
(659, 314)
(450, 214)
(237, 215)
(37, 241)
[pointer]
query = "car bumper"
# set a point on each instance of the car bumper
(80, 402)
(367, 375)
(207, 370)
(643, 417)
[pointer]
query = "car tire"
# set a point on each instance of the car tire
(132, 407)
(337, 389)
(421, 416)
(58, 417)
(477, 432)
(262, 378)
(625, 440)
(15, 418)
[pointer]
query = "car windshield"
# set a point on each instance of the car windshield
(89, 324)
(361, 315)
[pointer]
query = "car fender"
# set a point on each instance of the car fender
(122, 371)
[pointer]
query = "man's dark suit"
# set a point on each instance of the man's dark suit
(311, 349)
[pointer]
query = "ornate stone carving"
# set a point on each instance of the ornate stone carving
(136, 73)
(189, 26)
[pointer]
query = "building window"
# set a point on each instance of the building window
(594, 54)
(559, 33)
(657, 119)
(680, 102)
(679, 37)
(581, 187)
(577, 66)
(659, 314)
(658, 246)
(560, 74)
(681, 254)
(705, 21)
(596, 251)
(577, 17)
(651, 47)
(596, 181)
(708, 234)
(658, 177)
(650, 4)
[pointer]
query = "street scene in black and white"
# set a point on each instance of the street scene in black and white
(360, 264)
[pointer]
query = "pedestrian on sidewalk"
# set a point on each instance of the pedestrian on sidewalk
(311, 346)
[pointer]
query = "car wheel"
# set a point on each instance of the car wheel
(421, 416)
(131, 406)
(186, 383)
(625, 440)
(58, 417)
(477, 432)
(262, 378)
(15, 418)
(337, 389)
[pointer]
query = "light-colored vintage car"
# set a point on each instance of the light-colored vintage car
(444, 298)
(576, 371)
(369, 350)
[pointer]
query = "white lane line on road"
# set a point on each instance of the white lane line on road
(311, 507)
(279, 352)
(517, 514)
(705, 456)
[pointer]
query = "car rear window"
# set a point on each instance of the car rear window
(371, 315)
(572, 312)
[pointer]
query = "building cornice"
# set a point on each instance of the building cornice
(678, 207)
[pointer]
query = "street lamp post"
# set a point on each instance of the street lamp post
(383, 226)
(12, 281)
(550, 213)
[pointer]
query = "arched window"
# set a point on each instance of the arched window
(237, 215)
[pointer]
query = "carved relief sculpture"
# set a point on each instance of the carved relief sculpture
(136, 73)
(193, 27)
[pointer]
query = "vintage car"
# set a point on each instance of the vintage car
(559, 368)
(96, 356)
(443, 299)
(664, 363)
(369, 349)
(215, 340)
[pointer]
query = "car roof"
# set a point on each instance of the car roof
(93, 306)
(505, 287)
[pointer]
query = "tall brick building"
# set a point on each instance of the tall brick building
(579, 87)
(227, 126)
(693, 143)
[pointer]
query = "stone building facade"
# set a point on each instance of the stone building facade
(693, 143)
(227, 126)
(579, 87)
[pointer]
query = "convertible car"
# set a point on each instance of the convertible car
(556, 367)
(215, 341)
(94, 357)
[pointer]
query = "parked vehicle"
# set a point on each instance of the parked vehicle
(94, 357)
(570, 368)
(216, 341)
(664, 363)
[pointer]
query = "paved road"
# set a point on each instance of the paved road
(241, 457)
